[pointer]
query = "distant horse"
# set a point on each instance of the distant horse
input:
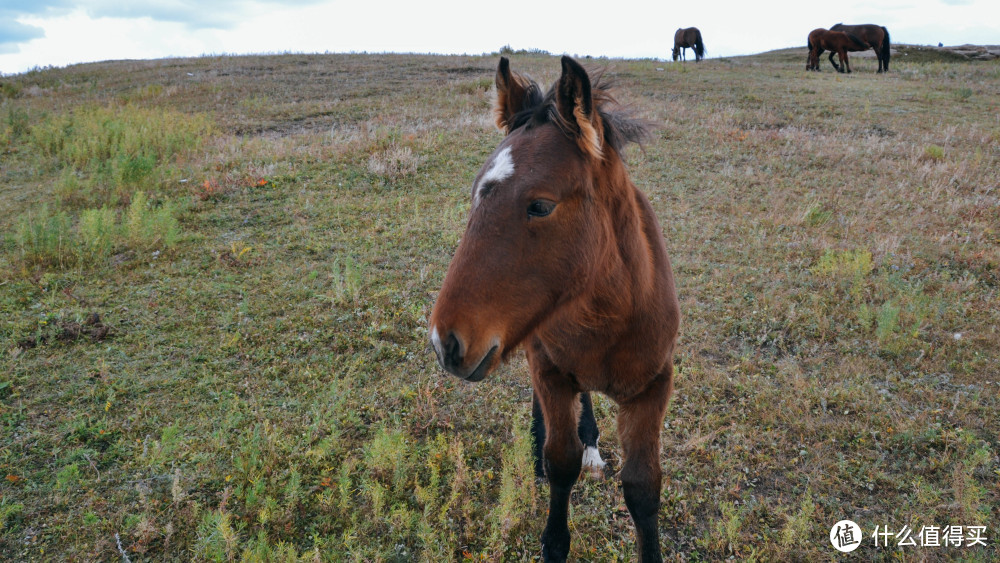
(685, 38)
(834, 41)
(875, 37)
(563, 254)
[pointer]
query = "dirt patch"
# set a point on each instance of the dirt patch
(92, 328)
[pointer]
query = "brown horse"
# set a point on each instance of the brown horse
(690, 37)
(875, 37)
(563, 254)
(834, 41)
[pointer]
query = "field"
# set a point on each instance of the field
(216, 273)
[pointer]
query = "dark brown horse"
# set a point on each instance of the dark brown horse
(690, 37)
(875, 37)
(834, 41)
(563, 255)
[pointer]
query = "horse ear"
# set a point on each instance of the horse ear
(575, 102)
(512, 89)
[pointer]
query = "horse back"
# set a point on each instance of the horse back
(870, 34)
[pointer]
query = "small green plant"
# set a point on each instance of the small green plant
(133, 170)
(217, 539)
(72, 191)
(161, 452)
(142, 93)
(727, 527)
(18, 122)
(969, 494)
(796, 530)
(46, 238)
(9, 511)
(346, 279)
(147, 226)
(933, 152)
(68, 477)
(866, 316)
(849, 263)
(886, 321)
(849, 268)
(517, 482)
(98, 231)
(386, 457)
(816, 216)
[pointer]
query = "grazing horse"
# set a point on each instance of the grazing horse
(563, 255)
(834, 41)
(685, 38)
(875, 37)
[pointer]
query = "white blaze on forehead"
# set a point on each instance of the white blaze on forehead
(500, 169)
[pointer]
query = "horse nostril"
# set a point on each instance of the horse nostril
(452, 351)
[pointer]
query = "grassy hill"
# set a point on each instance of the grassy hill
(215, 276)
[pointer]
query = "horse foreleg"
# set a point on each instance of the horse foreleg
(846, 61)
(588, 432)
(639, 423)
(562, 455)
(837, 68)
(537, 434)
(586, 429)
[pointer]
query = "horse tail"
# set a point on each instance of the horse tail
(885, 49)
(699, 46)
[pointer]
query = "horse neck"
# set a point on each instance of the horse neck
(628, 259)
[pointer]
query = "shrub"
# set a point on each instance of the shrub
(146, 226)
(394, 163)
(46, 238)
(115, 151)
(98, 232)
(53, 239)
(933, 152)
(851, 266)
(816, 216)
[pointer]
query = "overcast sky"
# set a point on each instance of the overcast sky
(39, 33)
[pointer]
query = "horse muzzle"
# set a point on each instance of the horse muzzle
(452, 356)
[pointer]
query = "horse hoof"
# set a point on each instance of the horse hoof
(555, 545)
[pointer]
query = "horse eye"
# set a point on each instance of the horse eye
(540, 208)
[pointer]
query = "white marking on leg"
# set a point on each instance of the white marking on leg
(592, 462)
(500, 169)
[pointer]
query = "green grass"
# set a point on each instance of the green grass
(261, 240)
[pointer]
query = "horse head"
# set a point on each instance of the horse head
(537, 230)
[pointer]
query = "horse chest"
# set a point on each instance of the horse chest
(593, 363)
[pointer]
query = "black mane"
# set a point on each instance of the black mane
(621, 127)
